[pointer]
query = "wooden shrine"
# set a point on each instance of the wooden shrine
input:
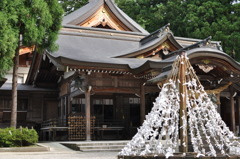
(109, 67)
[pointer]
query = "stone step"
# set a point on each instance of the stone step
(101, 148)
(96, 145)
(103, 143)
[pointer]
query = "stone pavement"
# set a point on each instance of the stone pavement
(57, 151)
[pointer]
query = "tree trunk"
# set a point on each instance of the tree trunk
(14, 89)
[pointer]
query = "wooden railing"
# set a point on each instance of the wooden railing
(109, 123)
(49, 129)
(109, 129)
(54, 123)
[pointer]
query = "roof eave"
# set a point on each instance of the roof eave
(194, 53)
(103, 30)
(150, 65)
(62, 62)
(2, 81)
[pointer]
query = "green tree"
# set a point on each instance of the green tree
(8, 35)
(144, 12)
(191, 18)
(220, 19)
(30, 23)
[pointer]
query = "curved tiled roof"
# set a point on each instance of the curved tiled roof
(152, 43)
(88, 10)
(198, 53)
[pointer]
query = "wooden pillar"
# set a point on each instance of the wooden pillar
(238, 105)
(69, 99)
(142, 106)
(88, 115)
(233, 121)
(183, 109)
(218, 103)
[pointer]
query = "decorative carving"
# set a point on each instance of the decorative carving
(206, 68)
(165, 45)
(104, 18)
(206, 61)
(166, 48)
(165, 51)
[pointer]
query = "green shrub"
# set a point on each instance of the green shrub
(10, 137)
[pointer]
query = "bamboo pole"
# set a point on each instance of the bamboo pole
(183, 109)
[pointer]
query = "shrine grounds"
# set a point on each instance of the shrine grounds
(58, 155)
(57, 151)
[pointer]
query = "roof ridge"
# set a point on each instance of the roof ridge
(195, 45)
(83, 12)
(122, 15)
(163, 29)
(81, 29)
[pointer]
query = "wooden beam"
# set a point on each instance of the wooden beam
(142, 106)
(115, 90)
(46, 85)
(25, 50)
(151, 52)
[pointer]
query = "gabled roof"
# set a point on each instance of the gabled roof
(92, 49)
(107, 49)
(88, 11)
(152, 41)
(113, 49)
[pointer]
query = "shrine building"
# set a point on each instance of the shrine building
(108, 71)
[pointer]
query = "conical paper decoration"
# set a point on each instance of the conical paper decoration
(159, 133)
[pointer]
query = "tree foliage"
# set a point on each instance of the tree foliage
(26, 23)
(71, 5)
(37, 21)
(8, 34)
(191, 18)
